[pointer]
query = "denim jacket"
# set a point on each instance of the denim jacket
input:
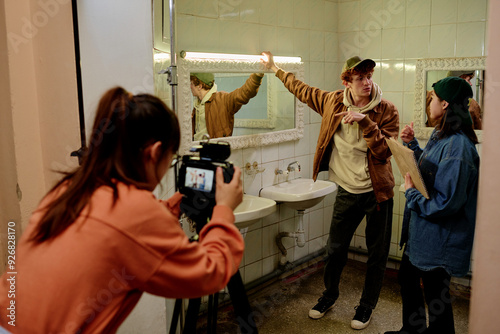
(441, 229)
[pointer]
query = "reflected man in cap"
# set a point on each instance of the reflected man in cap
(213, 111)
(352, 148)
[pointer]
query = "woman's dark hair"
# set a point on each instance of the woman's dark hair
(453, 124)
(124, 126)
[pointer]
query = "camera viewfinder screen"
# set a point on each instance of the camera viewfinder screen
(200, 179)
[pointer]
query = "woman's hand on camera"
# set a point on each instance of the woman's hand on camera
(229, 194)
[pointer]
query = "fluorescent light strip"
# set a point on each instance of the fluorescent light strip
(228, 56)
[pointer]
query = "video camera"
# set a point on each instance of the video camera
(196, 179)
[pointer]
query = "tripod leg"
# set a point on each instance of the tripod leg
(192, 316)
(175, 316)
(210, 313)
(213, 326)
(241, 305)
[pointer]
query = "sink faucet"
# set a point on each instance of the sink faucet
(292, 169)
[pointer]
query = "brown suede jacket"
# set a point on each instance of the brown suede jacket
(382, 122)
(221, 107)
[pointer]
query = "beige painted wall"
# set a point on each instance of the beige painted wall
(485, 285)
(40, 114)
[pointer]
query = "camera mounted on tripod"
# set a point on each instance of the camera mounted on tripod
(197, 179)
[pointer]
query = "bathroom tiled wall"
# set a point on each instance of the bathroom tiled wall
(395, 33)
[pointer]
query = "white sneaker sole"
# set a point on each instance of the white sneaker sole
(313, 314)
(355, 324)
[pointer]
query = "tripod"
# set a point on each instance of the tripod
(239, 299)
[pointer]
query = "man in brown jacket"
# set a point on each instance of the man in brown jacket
(213, 111)
(352, 147)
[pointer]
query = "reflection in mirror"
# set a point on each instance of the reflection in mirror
(214, 108)
(271, 109)
(430, 70)
(475, 78)
(272, 115)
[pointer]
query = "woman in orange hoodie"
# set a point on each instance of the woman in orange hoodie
(99, 238)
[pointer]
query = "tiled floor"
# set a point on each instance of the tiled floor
(282, 306)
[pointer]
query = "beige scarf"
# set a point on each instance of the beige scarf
(376, 97)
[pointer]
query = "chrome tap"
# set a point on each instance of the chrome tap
(292, 169)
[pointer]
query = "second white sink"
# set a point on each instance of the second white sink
(251, 209)
(299, 194)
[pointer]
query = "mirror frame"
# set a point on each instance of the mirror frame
(185, 97)
(438, 64)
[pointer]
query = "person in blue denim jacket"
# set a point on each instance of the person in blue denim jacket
(439, 232)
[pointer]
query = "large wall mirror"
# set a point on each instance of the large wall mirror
(430, 70)
(274, 115)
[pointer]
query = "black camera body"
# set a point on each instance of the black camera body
(197, 176)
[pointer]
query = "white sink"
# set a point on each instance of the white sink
(251, 209)
(299, 194)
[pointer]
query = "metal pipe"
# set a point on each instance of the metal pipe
(173, 55)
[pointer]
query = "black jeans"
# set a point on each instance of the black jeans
(436, 286)
(348, 213)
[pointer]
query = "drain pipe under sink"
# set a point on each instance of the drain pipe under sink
(299, 236)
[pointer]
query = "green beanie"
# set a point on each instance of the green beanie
(457, 92)
(206, 78)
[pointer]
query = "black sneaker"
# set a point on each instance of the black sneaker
(362, 317)
(318, 311)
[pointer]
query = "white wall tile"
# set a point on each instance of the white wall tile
(442, 42)
(406, 115)
(392, 75)
(418, 13)
(444, 11)
(316, 224)
(331, 43)
(186, 32)
(249, 12)
(285, 13)
(269, 11)
(348, 46)
(409, 79)
(207, 35)
(316, 11)
(285, 41)
(253, 246)
(417, 42)
(330, 16)
(369, 15)
(393, 43)
(317, 41)
(286, 150)
(475, 10)
(267, 38)
(470, 39)
(370, 44)
(301, 45)
(301, 14)
(395, 13)
(348, 16)
(253, 271)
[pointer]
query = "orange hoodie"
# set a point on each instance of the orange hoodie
(90, 277)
